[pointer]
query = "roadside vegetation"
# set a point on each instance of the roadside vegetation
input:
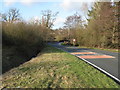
(23, 39)
(53, 68)
(105, 49)
(101, 30)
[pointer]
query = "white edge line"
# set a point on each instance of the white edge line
(100, 69)
(94, 66)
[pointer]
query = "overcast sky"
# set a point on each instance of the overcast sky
(32, 8)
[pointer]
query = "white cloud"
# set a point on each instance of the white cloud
(73, 5)
(36, 18)
(9, 2)
(65, 3)
(76, 5)
(59, 22)
(27, 2)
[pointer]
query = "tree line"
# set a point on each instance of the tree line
(27, 37)
(101, 30)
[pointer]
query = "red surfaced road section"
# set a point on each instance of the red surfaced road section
(83, 53)
(95, 56)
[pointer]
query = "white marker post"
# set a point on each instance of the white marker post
(74, 40)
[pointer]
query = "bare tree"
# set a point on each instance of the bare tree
(48, 18)
(11, 16)
(73, 21)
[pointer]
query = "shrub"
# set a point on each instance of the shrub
(26, 37)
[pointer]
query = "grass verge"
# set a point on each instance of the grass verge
(53, 68)
(105, 49)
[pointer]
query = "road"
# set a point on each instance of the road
(105, 61)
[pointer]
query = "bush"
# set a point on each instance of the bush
(26, 37)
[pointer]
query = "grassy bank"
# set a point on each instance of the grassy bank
(105, 49)
(53, 68)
